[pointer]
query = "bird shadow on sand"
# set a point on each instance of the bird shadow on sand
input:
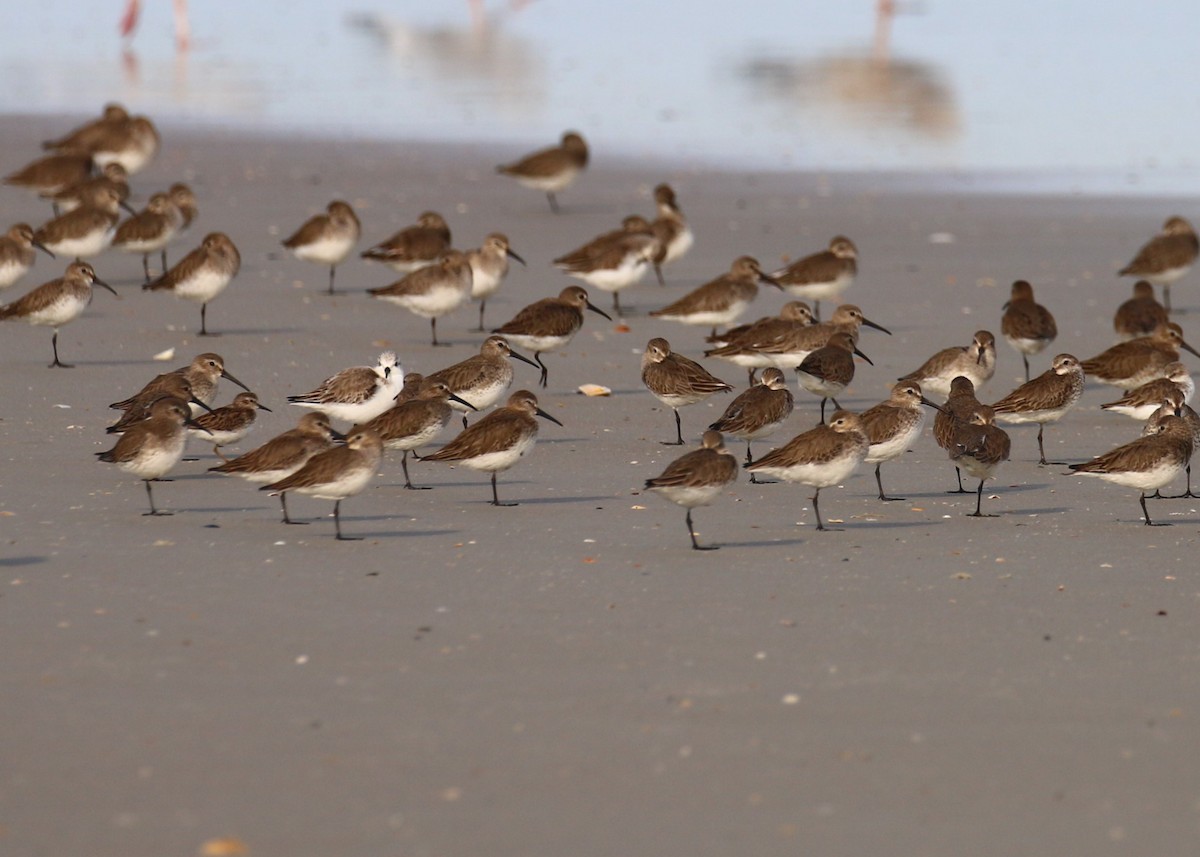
(18, 561)
(762, 543)
(579, 498)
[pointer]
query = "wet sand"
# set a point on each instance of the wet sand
(568, 677)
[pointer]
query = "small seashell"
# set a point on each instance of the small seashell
(594, 390)
(169, 354)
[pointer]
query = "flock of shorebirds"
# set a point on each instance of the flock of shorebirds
(86, 177)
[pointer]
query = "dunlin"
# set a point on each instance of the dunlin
(1045, 399)
(411, 424)
(792, 311)
(1130, 364)
(151, 448)
(1166, 257)
(482, 379)
(412, 386)
(228, 424)
(549, 324)
(57, 302)
(960, 405)
(498, 440)
(976, 361)
(140, 406)
(433, 291)
(132, 143)
(83, 137)
(52, 174)
(677, 381)
(17, 253)
(740, 345)
(821, 276)
(202, 274)
(489, 267)
(1027, 325)
(670, 229)
(720, 301)
(615, 260)
(185, 201)
(697, 478)
(357, 394)
(284, 455)
(550, 170)
(413, 247)
(336, 474)
(1141, 402)
(87, 191)
(893, 426)
(820, 457)
(203, 374)
(328, 238)
(1175, 405)
(149, 230)
(84, 232)
(827, 371)
(758, 411)
(1139, 315)
(979, 447)
(1149, 463)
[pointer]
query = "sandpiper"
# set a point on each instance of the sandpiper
(830, 369)
(821, 276)
(489, 267)
(185, 201)
(792, 311)
(1027, 325)
(328, 238)
(549, 324)
(86, 191)
(955, 413)
(498, 440)
(83, 137)
(51, 174)
(228, 424)
(893, 426)
(151, 448)
(203, 373)
(412, 386)
(1148, 463)
(482, 379)
(357, 394)
(132, 143)
(1174, 404)
(57, 302)
(677, 381)
(1139, 315)
(1141, 402)
(433, 291)
(615, 260)
(1045, 399)
(1166, 257)
(979, 447)
(413, 423)
(976, 361)
(202, 274)
(413, 247)
(670, 229)
(139, 406)
(1130, 364)
(86, 231)
(758, 411)
(720, 301)
(149, 230)
(697, 478)
(284, 455)
(17, 253)
(740, 345)
(820, 457)
(336, 474)
(550, 170)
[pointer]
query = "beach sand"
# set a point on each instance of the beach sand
(568, 677)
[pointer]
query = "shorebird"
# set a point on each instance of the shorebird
(821, 276)
(57, 302)
(51, 174)
(139, 406)
(1027, 325)
(357, 394)
(498, 440)
(203, 374)
(149, 231)
(132, 143)
(670, 229)
(185, 201)
(1148, 463)
(976, 361)
(1045, 399)
(17, 253)
(228, 424)
(1130, 364)
(413, 247)
(489, 267)
(549, 324)
(758, 411)
(550, 170)
(84, 232)
(151, 448)
(830, 369)
(615, 260)
(697, 478)
(1166, 257)
(720, 301)
(893, 426)
(84, 137)
(327, 238)
(433, 291)
(412, 386)
(955, 413)
(1139, 315)
(790, 313)
(1141, 402)
(411, 424)
(979, 447)
(740, 345)
(1174, 404)
(202, 274)
(86, 191)
(284, 455)
(820, 457)
(336, 474)
(482, 379)
(677, 381)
